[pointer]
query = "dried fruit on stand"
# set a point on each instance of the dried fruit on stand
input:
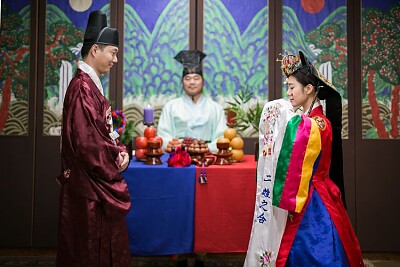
(236, 143)
(187, 141)
(172, 145)
(198, 146)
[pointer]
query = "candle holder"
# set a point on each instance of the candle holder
(153, 153)
(223, 155)
(148, 124)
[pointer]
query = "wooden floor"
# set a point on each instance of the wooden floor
(11, 257)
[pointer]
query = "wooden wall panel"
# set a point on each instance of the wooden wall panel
(16, 180)
(378, 195)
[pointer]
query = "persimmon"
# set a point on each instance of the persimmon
(237, 154)
(237, 143)
(230, 133)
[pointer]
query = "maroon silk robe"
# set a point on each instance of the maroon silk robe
(94, 197)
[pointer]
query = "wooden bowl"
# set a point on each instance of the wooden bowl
(153, 144)
(223, 146)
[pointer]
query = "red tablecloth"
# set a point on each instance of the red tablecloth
(224, 207)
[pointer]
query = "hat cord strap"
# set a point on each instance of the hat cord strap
(99, 35)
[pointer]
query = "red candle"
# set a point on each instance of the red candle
(231, 116)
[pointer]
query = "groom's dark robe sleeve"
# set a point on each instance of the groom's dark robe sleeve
(87, 149)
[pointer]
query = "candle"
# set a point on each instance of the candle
(231, 116)
(148, 115)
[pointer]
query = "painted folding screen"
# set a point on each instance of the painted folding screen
(155, 31)
(14, 70)
(235, 38)
(319, 29)
(380, 69)
(65, 25)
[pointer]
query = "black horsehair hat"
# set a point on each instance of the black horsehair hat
(97, 31)
(191, 61)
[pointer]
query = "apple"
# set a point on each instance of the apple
(139, 153)
(150, 132)
(157, 139)
(141, 142)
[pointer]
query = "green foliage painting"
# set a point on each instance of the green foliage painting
(149, 65)
(14, 71)
(62, 52)
(151, 75)
(381, 72)
(320, 32)
(234, 58)
(326, 43)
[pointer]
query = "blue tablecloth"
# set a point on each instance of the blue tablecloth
(160, 221)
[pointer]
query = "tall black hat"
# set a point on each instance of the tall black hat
(97, 31)
(325, 91)
(191, 61)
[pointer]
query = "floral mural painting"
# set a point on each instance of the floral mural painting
(320, 31)
(235, 39)
(318, 28)
(380, 69)
(64, 33)
(65, 26)
(14, 70)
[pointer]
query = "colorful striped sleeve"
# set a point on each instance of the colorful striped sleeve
(300, 148)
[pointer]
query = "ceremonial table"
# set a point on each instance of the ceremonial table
(172, 213)
(224, 207)
(160, 221)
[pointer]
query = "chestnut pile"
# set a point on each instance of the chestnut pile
(198, 146)
(172, 144)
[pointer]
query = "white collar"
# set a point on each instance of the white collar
(316, 104)
(188, 98)
(92, 74)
